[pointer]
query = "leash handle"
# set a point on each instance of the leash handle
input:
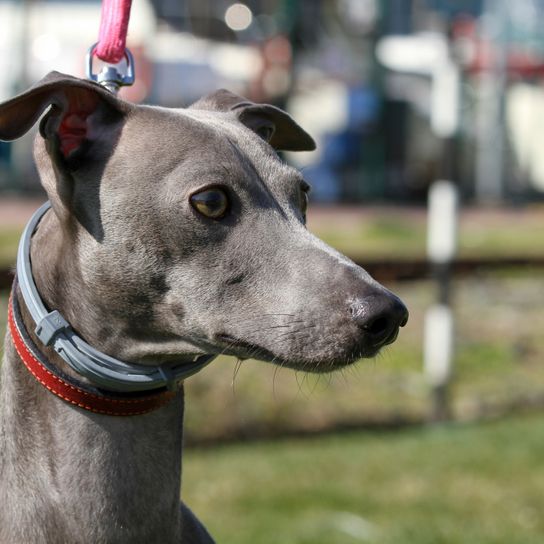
(111, 47)
(112, 36)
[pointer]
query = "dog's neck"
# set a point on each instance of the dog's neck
(97, 473)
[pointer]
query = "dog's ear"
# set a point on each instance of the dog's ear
(79, 130)
(78, 108)
(272, 124)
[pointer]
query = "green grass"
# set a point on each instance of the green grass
(450, 485)
(9, 239)
(375, 238)
(403, 235)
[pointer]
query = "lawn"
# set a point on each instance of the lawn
(366, 233)
(480, 484)
(9, 239)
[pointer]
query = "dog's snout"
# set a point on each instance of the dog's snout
(380, 317)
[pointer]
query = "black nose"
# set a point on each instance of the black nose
(380, 317)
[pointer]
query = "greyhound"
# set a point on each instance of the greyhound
(173, 235)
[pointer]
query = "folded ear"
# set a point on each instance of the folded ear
(68, 123)
(272, 124)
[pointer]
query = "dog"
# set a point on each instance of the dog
(172, 235)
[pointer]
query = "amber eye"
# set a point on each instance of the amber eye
(210, 202)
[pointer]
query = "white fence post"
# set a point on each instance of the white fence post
(438, 344)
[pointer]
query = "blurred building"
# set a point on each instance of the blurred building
(317, 58)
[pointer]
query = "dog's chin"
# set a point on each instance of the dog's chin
(314, 364)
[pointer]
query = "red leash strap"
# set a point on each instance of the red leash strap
(112, 36)
(99, 403)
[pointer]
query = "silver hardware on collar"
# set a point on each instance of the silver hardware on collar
(50, 326)
(110, 76)
(101, 369)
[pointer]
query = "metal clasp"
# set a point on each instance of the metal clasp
(50, 326)
(110, 76)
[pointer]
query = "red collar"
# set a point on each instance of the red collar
(73, 391)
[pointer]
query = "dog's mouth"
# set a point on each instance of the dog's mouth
(243, 349)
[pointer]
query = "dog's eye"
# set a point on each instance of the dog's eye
(304, 203)
(210, 202)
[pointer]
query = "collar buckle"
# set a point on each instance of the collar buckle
(50, 326)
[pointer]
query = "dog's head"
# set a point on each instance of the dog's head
(187, 233)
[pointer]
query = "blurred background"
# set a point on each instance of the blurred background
(411, 102)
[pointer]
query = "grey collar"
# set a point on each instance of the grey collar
(101, 369)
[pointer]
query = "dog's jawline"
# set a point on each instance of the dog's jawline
(233, 346)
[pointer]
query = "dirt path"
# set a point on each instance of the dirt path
(16, 211)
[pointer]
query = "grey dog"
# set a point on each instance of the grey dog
(172, 234)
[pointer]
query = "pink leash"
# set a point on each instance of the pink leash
(112, 36)
(111, 47)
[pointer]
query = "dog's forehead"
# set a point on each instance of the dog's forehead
(246, 151)
(208, 140)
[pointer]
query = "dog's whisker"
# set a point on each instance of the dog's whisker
(294, 332)
(268, 329)
(253, 351)
(305, 378)
(276, 370)
(290, 315)
(227, 347)
(274, 381)
(297, 373)
(310, 382)
(264, 327)
(237, 367)
(255, 317)
(301, 383)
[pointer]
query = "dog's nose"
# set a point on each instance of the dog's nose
(380, 317)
